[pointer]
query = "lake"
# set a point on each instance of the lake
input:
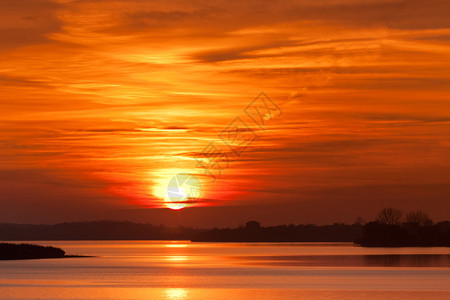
(184, 270)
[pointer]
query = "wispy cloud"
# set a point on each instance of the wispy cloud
(103, 99)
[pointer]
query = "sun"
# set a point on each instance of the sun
(182, 190)
(179, 191)
(178, 201)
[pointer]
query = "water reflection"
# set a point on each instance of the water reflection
(389, 260)
(176, 245)
(411, 260)
(176, 258)
(175, 294)
(166, 270)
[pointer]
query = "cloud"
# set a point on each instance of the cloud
(27, 22)
(243, 52)
(128, 92)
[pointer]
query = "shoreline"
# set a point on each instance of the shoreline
(24, 251)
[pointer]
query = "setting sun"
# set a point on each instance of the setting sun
(179, 190)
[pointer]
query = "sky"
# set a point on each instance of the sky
(103, 102)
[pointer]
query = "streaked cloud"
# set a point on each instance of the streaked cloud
(105, 99)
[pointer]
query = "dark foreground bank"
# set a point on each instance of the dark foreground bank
(29, 251)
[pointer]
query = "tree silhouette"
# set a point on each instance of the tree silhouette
(359, 221)
(418, 217)
(252, 225)
(390, 216)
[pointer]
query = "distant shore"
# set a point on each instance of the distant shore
(10, 251)
(371, 234)
(376, 234)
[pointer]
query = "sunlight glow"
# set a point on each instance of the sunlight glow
(176, 293)
(176, 245)
(178, 189)
(176, 258)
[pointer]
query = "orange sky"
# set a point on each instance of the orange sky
(103, 101)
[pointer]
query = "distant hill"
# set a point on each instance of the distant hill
(253, 232)
(113, 230)
(97, 230)
(372, 234)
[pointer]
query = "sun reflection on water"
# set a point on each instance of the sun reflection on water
(175, 245)
(176, 258)
(175, 294)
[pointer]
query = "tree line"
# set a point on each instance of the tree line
(394, 229)
(391, 228)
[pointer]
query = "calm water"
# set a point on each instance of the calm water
(184, 270)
